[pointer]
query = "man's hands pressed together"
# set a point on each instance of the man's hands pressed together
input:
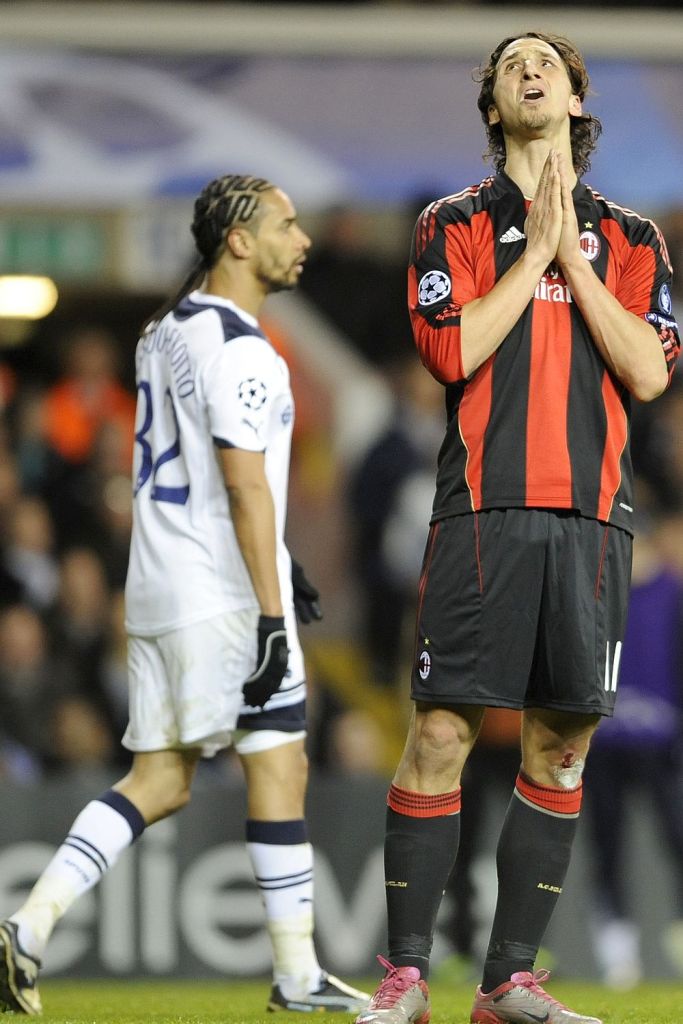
(551, 226)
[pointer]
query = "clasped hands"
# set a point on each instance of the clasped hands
(551, 226)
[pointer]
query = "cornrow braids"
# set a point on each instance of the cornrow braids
(584, 129)
(224, 203)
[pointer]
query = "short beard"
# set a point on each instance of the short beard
(534, 119)
(273, 286)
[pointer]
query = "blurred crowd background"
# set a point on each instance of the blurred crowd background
(368, 428)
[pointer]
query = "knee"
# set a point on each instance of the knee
(281, 771)
(439, 737)
(555, 747)
(561, 768)
(297, 778)
(175, 799)
(157, 797)
(276, 782)
(569, 771)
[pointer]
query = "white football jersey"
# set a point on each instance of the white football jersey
(206, 376)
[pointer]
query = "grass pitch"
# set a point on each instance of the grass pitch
(244, 1002)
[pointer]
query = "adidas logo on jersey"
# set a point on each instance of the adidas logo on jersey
(512, 235)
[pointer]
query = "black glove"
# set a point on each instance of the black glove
(271, 662)
(306, 597)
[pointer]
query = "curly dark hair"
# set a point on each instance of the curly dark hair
(224, 203)
(584, 129)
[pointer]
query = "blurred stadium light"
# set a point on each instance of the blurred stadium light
(26, 297)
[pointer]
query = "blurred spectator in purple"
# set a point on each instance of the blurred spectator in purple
(640, 750)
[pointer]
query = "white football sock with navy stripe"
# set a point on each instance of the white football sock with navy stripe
(282, 860)
(104, 828)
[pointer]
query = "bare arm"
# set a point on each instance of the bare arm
(486, 322)
(253, 516)
(629, 346)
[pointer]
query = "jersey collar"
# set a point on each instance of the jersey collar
(206, 299)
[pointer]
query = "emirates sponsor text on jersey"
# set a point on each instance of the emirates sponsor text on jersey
(552, 289)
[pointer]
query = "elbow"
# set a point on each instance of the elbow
(648, 387)
(648, 379)
(650, 376)
(242, 495)
(439, 349)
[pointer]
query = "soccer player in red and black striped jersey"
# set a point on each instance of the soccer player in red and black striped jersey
(545, 310)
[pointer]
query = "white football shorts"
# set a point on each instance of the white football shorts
(185, 686)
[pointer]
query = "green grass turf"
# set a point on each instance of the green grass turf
(242, 1002)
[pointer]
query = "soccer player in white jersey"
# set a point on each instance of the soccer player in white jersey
(214, 657)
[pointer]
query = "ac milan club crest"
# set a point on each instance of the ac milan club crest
(590, 245)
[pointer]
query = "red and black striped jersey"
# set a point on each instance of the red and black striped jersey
(543, 422)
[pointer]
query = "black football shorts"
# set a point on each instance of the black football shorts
(522, 608)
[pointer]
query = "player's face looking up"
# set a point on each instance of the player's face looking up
(532, 90)
(280, 245)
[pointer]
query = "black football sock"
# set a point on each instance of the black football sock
(533, 855)
(420, 848)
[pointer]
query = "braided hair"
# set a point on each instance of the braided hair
(584, 128)
(227, 202)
